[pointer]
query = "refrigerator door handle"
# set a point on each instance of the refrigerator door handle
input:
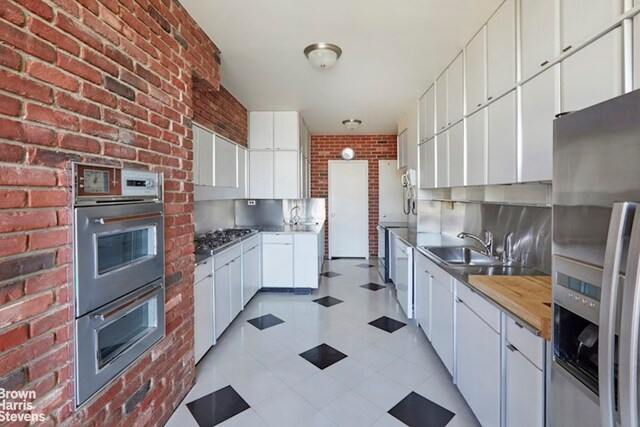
(629, 333)
(608, 309)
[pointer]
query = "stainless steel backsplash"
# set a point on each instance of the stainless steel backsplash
(213, 214)
(531, 226)
(261, 212)
(311, 210)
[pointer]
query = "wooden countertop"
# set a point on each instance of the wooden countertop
(528, 297)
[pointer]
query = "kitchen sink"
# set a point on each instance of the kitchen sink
(461, 256)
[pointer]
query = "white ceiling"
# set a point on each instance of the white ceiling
(391, 49)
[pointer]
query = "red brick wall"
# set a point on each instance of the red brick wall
(367, 147)
(222, 113)
(99, 81)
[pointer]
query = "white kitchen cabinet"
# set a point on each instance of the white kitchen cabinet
(475, 66)
(455, 90)
(203, 142)
(442, 156)
(277, 261)
(502, 140)
(442, 333)
(501, 50)
(477, 148)
(305, 260)
(285, 175)
(261, 130)
(441, 102)
(250, 269)
(286, 130)
(235, 287)
(456, 155)
(524, 390)
(402, 142)
(423, 295)
(538, 30)
(430, 113)
(222, 297)
(581, 19)
(538, 112)
(226, 163)
(260, 174)
(427, 153)
(594, 74)
(478, 365)
(203, 313)
(240, 192)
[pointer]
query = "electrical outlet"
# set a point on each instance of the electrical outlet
(251, 202)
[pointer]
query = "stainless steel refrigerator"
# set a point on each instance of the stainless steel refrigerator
(596, 246)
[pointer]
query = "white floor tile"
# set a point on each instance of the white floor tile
(381, 391)
(405, 373)
(317, 420)
(351, 409)
(387, 420)
(349, 372)
(320, 389)
(284, 409)
(248, 418)
(259, 387)
(294, 369)
(374, 357)
(182, 418)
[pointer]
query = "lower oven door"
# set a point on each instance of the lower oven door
(110, 339)
(118, 249)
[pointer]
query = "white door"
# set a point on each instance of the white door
(348, 208)
(390, 194)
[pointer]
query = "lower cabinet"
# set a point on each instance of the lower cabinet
(277, 261)
(423, 295)
(227, 287)
(203, 312)
(305, 260)
(442, 321)
(250, 268)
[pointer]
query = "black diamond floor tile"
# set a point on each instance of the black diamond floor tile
(323, 356)
(216, 407)
(417, 411)
(266, 321)
(328, 301)
(387, 324)
(365, 265)
(330, 274)
(372, 286)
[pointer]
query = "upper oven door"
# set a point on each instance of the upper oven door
(118, 249)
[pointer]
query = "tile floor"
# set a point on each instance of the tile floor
(290, 361)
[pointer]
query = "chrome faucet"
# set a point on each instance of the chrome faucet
(507, 249)
(292, 219)
(487, 243)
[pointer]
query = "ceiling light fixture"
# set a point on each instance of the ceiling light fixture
(351, 124)
(322, 55)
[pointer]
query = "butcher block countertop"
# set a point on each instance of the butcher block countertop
(528, 297)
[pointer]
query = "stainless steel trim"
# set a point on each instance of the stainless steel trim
(126, 218)
(629, 333)
(110, 313)
(608, 308)
(511, 347)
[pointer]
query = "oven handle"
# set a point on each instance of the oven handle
(608, 312)
(629, 332)
(106, 315)
(113, 219)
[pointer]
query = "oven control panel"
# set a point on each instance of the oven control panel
(140, 183)
(103, 184)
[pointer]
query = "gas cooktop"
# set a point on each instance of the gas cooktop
(214, 241)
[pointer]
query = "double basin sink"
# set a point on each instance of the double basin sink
(472, 261)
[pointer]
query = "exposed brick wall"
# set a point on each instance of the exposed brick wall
(99, 81)
(222, 113)
(367, 147)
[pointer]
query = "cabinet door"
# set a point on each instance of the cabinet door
(501, 50)
(538, 112)
(402, 149)
(581, 19)
(241, 191)
(277, 265)
(236, 286)
(441, 101)
(222, 299)
(538, 34)
(247, 276)
(203, 317)
(477, 148)
(205, 156)
(261, 174)
(261, 130)
(196, 156)
(422, 118)
(502, 140)
(427, 153)
(442, 153)
(456, 155)
(226, 163)
(583, 83)
(430, 112)
(305, 261)
(423, 299)
(442, 322)
(285, 175)
(478, 362)
(256, 271)
(476, 71)
(524, 391)
(455, 83)
(285, 130)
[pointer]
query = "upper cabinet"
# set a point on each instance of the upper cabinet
(402, 144)
(477, 148)
(476, 71)
(274, 130)
(226, 163)
(441, 102)
(538, 34)
(261, 130)
(502, 140)
(427, 155)
(426, 114)
(456, 155)
(455, 85)
(581, 19)
(203, 157)
(501, 50)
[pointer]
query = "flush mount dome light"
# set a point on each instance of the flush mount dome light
(351, 124)
(322, 55)
(347, 153)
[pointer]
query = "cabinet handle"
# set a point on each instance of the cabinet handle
(459, 300)
(479, 104)
(544, 63)
(519, 325)
(490, 98)
(210, 275)
(511, 347)
(449, 124)
(567, 48)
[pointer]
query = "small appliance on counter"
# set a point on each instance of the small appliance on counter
(118, 244)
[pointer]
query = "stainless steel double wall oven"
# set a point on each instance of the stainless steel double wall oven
(118, 271)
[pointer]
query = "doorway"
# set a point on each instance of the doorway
(348, 209)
